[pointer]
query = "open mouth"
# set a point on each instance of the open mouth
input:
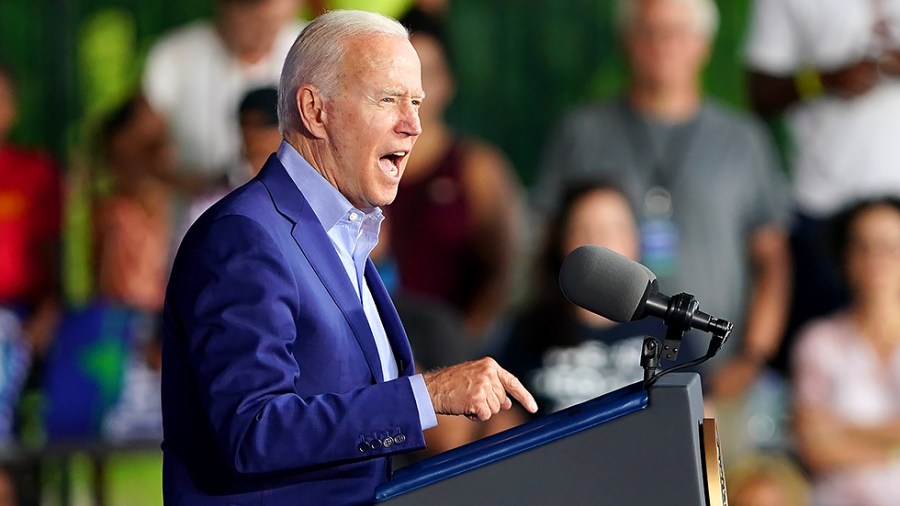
(390, 163)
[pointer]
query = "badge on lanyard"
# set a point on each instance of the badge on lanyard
(659, 233)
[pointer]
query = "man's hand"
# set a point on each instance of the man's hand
(853, 80)
(890, 62)
(476, 389)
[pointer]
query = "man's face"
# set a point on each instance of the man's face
(372, 121)
(143, 146)
(665, 45)
(251, 27)
(259, 138)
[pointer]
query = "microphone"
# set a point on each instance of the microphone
(620, 289)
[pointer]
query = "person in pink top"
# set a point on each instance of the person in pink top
(847, 368)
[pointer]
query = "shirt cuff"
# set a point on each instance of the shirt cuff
(427, 418)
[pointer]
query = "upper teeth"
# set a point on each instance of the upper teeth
(399, 153)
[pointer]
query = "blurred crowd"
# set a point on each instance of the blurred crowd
(798, 245)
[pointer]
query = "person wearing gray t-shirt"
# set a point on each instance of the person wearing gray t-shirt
(704, 181)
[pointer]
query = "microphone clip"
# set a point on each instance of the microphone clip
(682, 314)
(682, 309)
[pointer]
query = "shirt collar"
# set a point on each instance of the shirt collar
(329, 205)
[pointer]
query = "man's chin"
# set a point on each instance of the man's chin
(383, 199)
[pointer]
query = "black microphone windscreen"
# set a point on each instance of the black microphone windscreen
(604, 282)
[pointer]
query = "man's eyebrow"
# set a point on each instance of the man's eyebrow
(397, 92)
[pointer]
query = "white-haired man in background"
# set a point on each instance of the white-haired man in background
(703, 178)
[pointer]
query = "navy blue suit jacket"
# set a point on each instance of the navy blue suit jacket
(272, 387)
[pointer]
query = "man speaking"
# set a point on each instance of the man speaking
(287, 376)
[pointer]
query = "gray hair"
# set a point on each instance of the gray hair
(706, 15)
(317, 55)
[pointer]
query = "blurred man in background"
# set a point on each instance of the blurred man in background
(258, 119)
(257, 116)
(704, 180)
(833, 69)
(197, 75)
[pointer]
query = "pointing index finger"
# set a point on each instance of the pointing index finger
(517, 390)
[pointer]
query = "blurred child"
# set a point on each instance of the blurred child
(257, 116)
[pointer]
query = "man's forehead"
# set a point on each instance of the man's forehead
(378, 51)
(390, 65)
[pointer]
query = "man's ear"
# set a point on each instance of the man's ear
(311, 105)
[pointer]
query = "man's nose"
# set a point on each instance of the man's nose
(409, 123)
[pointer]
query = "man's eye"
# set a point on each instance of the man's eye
(388, 100)
(416, 103)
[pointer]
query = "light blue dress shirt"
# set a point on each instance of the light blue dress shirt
(353, 234)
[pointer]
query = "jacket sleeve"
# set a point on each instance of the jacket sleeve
(237, 305)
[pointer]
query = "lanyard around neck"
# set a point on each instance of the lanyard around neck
(664, 166)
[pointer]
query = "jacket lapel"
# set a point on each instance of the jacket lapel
(319, 251)
(393, 327)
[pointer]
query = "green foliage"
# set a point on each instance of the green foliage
(394, 8)
(107, 61)
(108, 74)
(25, 48)
(134, 479)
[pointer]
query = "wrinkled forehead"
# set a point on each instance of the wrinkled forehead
(383, 61)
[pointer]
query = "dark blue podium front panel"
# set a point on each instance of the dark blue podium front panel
(623, 448)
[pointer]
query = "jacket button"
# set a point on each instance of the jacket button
(387, 442)
(399, 439)
(364, 447)
(376, 444)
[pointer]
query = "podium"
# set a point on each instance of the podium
(629, 447)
